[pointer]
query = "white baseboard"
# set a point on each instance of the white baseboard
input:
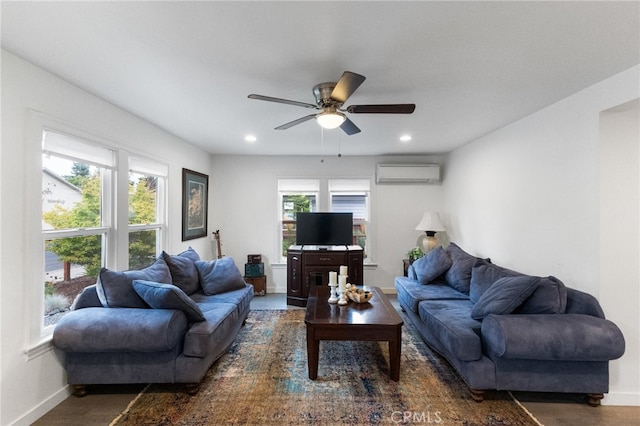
(40, 410)
(621, 399)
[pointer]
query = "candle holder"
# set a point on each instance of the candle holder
(343, 298)
(333, 293)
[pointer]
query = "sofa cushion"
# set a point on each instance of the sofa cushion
(219, 276)
(483, 275)
(183, 270)
(459, 274)
(450, 322)
(167, 296)
(115, 289)
(411, 293)
(202, 337)
(550, 297)
(504, 296)
(432, 265)
(120, 330)
(241, 298)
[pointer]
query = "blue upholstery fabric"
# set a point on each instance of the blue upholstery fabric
(203, 337)
(120, 329)
(483, 275)
(432, 265)
(450, 322)
(87, 298)
(504, 296)
(219, 276)
(567, 337)
(241, 298)
(411, 293)
(183, 271)
(459, 274)
(168, 296)
(550, 297)
(115, 289)
(579, 302)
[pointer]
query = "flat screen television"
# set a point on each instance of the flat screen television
(324, 229)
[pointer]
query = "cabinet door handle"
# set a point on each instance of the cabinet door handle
(295, 258)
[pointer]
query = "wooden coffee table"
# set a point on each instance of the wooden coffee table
(374, 321)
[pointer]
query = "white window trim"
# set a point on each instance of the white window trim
(322, 188)
(38, 337)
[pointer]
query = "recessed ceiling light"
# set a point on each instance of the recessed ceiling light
(250, 138)
(405, 138)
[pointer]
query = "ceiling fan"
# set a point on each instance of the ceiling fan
(329, 100)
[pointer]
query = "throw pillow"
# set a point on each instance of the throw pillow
(219, 276)
(183, 271)
(115, 289)
(483, 275)
(550, 297)
(190, 253)
(168, 296)
(504, 296)
(432, 265)
(458, 275)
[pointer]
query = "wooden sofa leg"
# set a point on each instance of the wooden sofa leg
(477, 395)
(593, 399)
(79, 390)
(192, 388)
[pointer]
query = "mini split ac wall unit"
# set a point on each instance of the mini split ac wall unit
(408, 173)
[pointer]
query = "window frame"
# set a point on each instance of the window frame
(114, 218)
(323, 191)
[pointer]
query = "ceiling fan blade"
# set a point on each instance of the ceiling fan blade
(349, 127)
(382, 109)
(282, 101)
(345, 87)
(296, 122)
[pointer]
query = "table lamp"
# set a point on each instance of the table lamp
(430, 224)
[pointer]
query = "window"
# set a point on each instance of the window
(296, 195)
(79, 216)
(76, 219)
(315, 195)
(352, 196)
(146, 210)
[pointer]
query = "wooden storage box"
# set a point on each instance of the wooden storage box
(259, 285)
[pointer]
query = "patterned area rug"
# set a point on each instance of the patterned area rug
(263, 380)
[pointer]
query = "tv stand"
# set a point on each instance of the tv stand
(308, 266)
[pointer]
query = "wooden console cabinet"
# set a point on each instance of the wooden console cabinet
(308, 266)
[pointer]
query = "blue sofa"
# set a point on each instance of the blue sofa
(504, 330)
(166, 323)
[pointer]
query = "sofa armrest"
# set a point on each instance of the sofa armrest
(566, 337)
(120, 330)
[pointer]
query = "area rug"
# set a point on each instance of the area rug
(263, 380)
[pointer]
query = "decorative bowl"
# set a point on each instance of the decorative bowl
(361, 296)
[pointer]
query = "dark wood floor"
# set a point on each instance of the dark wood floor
(105, 403)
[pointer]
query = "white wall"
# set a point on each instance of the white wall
(245, 208)
(528, 196)
(620, 234)
(30, 387)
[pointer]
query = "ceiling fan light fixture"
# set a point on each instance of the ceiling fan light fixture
(330, 119)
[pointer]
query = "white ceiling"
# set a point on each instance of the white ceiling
(470, 67)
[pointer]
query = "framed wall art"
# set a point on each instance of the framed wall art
(195, 190)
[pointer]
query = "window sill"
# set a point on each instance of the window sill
(39, 349)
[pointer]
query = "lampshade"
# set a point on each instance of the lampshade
(430, 222)
(330, 119)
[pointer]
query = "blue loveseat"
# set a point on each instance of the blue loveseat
(504, 330)
(166, 323)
